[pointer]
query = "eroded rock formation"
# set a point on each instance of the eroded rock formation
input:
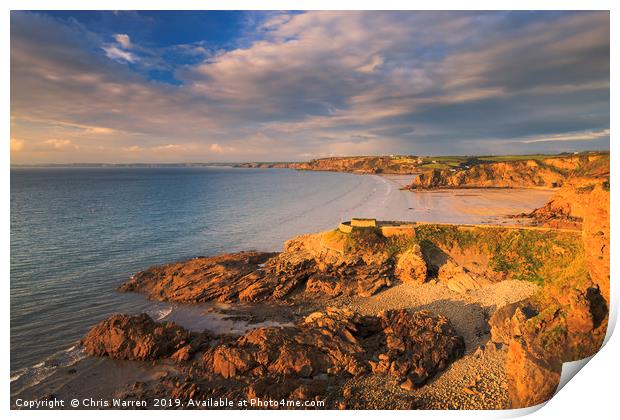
(561, 327)
(409, 346)
(138, 337)
(296, 361)
(316, 265)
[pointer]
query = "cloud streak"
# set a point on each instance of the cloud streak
(317, 83)
(574, 136)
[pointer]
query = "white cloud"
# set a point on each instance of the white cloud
(315, 83)
(115, 53)
(123, 40)
(374, 62)
(572, 136)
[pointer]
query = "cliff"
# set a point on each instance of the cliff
(583, 202)
(365, 164)
(507, 171)
(567, 320)
(266, 165)
(548, 172)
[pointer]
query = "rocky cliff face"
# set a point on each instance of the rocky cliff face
(561, 324)
(583, 203)
(550, 173)
(364, 164)
(567, 320)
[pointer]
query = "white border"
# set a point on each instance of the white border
(593, 394)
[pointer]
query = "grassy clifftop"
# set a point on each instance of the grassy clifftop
(512, 171)
(496, 253)
(522, 254)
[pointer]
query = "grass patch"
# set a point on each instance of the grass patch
(537, 256)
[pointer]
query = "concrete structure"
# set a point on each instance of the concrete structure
(387, 228)
(400, 229)
(359, 222)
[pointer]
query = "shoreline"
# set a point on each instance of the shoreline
(383, 195)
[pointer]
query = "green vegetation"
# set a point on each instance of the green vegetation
(595, 168)
(460, 162)
(516, 158)
(538, 256)
(369, 238)
(445, 162)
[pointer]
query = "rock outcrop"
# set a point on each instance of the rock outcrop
(300, 362)
(456, 278)
(219, 278)
(531, 381)
(506, 321)
(319, 265)
(411, 267)
(541, 336)
(138, 337)
(409, 346)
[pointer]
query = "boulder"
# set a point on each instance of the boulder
(410, 266)
(138, 337)
(456, 278)
(505, 322)
(531, 381)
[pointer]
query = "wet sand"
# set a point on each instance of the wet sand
(462, 206)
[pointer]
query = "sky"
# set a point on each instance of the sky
(217, 86)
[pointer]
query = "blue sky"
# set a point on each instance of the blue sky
(232, 86)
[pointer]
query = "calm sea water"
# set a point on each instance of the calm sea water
(78, 233)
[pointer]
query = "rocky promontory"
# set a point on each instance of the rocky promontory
(332, 264)
(394, 164)
(325, 354)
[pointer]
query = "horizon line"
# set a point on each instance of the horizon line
(225, 163)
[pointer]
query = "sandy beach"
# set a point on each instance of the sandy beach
(466, 206)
